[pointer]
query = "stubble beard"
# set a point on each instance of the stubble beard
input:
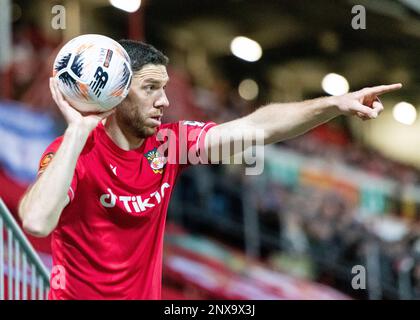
(134, 124)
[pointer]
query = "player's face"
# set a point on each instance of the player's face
(141, 112)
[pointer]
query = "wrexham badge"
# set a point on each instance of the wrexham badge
(156, 160)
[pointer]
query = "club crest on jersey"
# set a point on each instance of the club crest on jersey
(156, 160)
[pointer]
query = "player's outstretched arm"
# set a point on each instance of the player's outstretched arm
(41, 206)
(280, 121)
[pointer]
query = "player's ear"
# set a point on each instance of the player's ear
(129, 99)
(133, 92)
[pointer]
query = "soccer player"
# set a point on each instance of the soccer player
(104, 186)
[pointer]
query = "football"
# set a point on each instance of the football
(93, 72)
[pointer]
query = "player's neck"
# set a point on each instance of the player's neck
(121, 137)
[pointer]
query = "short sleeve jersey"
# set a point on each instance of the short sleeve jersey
(109, 239)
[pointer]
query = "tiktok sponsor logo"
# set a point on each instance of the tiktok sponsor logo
(134, 203)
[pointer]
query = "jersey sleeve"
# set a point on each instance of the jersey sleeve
(46, 158)
(189, 148)
(195, 132)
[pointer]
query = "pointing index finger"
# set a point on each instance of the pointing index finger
(383, 89)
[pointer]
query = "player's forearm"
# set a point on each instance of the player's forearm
(282, 121)
(41, 207)
(277, 121)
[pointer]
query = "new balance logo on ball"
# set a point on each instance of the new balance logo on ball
(101, 78)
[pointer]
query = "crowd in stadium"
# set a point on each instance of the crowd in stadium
(322, 233)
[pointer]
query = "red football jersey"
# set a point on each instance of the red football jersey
(109, 240)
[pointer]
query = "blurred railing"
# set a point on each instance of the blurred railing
(23, 275)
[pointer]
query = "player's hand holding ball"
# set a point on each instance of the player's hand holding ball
(92, 74)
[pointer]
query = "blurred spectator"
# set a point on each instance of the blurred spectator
(30, 50)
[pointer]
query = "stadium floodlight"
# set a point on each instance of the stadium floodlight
(405, 113)
(126, 5)
(246, 49)
(335, 84)
(248, 89)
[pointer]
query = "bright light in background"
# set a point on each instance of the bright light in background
(335, 85)
(126, 5)
(248, 89)
(405, 113)
(246, 49)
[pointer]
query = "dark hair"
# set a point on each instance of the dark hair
(142, 53)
